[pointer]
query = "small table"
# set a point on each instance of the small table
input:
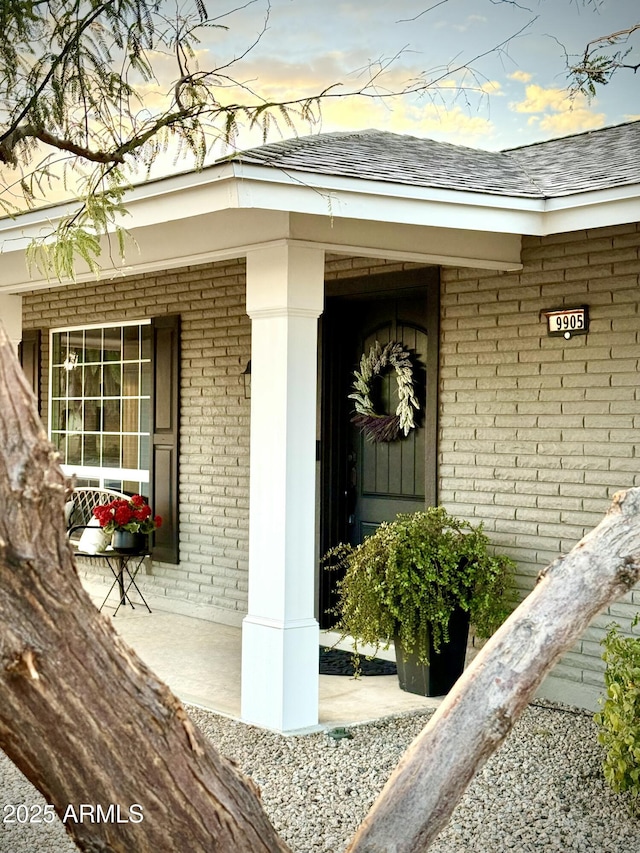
(124, 568)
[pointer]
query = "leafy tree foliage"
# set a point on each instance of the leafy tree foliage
(602, 58)
(84, 98)
(92, 92)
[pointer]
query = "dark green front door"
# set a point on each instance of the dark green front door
(387, 478)
(365, 483)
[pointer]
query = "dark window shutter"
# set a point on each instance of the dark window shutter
(29, 354)
(165, 435)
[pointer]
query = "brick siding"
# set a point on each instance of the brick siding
(537, 433)
(214, 451)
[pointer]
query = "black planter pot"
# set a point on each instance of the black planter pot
(444, 668)
(125, 542)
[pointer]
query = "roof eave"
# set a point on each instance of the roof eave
(234, 185)
(237, 185)
(383, 201)
(594, 209)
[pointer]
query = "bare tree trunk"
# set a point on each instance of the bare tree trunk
(480, 711)
(83, 718)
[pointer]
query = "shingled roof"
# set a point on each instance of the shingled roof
(595, 160)
(588, 161)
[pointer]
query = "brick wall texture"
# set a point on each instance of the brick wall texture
(535, 433)
(214, 451)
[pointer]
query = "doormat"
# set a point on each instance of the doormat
(338, 662)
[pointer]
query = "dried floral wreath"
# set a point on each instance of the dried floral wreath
(383, 427)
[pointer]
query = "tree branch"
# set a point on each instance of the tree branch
(612, 38)
(27, 131)
(60, 57)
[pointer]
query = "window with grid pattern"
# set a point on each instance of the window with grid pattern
(100, 385)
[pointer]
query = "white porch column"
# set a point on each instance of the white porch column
(11, 316)
(280, 635)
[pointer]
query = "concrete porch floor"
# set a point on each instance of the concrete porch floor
(200, 662)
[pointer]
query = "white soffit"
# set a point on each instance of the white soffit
(419, 243)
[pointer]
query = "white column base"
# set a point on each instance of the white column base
(280, 690)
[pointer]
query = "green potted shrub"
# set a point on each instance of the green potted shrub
(418, 581)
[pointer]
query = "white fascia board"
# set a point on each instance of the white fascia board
(182, 196)
(355, 198)
(597, 209)
(379, 201)
(236, 185)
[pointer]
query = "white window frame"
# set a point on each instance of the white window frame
(102, 475)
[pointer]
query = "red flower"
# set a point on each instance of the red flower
(132, 514)
(122, 515)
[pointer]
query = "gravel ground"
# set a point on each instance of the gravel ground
(542, 791)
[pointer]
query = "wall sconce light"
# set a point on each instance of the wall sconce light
(246, 378)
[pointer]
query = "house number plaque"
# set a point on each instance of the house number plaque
(566, 322)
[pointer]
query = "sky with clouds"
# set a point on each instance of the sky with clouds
(516, 93)
(497, 69)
